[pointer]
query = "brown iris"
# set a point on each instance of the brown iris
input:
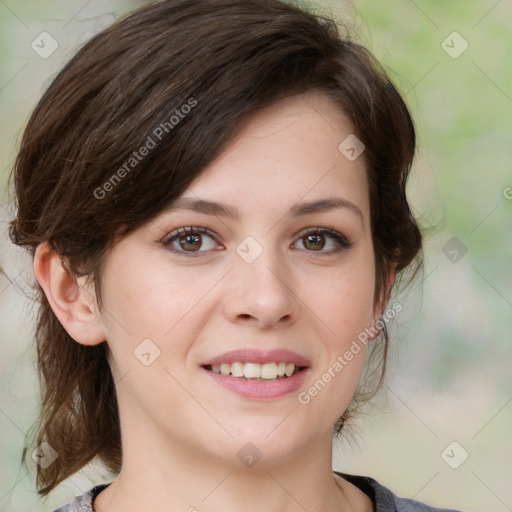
(190, 242)
(314, 242)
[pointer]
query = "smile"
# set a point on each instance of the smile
(258, 374)
(256, 371)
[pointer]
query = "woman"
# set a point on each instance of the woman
(214, 196)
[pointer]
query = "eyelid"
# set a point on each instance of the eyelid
(185, 230)
(322, 231)
(168, 240)
(343, 242)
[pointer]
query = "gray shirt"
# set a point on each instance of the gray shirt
(383, 499)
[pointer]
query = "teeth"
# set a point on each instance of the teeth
(268, 371)
(237, 369)
(290, 368)
(252, 370)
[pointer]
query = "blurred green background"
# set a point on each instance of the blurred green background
(449, 378)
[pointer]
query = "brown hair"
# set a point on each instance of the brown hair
(225, 59)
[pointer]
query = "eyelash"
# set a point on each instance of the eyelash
(341, 240)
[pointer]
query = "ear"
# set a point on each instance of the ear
(72, 301)
(380, 304)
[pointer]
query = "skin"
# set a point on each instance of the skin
(180, 430)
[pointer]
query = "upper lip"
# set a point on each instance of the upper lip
(249, 355)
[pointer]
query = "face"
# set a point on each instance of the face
(267, 259)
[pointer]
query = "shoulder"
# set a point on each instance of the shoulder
(83, 503)
(385, 500)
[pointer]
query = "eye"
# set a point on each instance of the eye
(193, 241)
(190, 240)
(317, 239)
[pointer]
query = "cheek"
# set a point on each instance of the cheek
(344, 300)
(149, 298)
(154, 304)
(345, 310)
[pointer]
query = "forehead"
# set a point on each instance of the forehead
(287, 152)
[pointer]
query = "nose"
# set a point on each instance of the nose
(260, 293)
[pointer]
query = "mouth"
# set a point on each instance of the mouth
(257, 372)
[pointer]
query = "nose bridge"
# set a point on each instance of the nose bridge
(262, 267)
(260, 283)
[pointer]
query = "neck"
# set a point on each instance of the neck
(175, 479)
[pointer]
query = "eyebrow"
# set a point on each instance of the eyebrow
(299, 209)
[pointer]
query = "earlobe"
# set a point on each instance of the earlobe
(72, 302)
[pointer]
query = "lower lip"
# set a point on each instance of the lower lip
(259, 389)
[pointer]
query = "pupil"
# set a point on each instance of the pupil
(315, 239)
(191, 242)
